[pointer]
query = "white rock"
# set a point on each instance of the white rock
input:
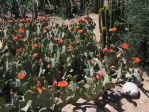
(131, 89)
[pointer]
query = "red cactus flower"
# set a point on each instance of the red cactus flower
(110, 51)
(19, 50)
(35, 55)
(39, 89)
(55, 83)
(79, 19)
(10, 21)
(124, 45)
(70, 47)
(62, 84)
(57, 39)
(100, 74)
(136, 59)
(114, 29)
(25, 39)
(98, 55)
(15, 38)
(48, 66)
(21, 31)
(28, 19)
(35, 46)
(22, 20)
(80, 31)
(46, 27)
(21, 75)
(105, 49)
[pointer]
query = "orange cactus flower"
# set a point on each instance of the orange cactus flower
(15, 38)
(79, 19)
(70, 47)
(80, 31)
(46, 27)
(114, 29)
(35, 45)
(20, 30)
(42, 18)
(10, 21)
(25, 39)
(39, 89)
(28, 19)
(21, 75)
(110, 51)
(58, 39)
(136, 59)
(19, 50)
(60, 42)
(124, 45)
(62, 84)
(22, 20)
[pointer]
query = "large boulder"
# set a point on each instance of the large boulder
(131, 89)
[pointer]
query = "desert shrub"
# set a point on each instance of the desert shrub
(137, 35)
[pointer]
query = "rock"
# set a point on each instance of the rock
(131, 90)
(115, 96)
(87, 108)
(109, 107)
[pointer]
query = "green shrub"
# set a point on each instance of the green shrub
(137, 18)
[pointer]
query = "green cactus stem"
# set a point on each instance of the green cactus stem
(111, 14)
(107, 20)
(99, 20)
(101, 4)
(103, 17)
(103, 36)
(35, 8)
(95, 6)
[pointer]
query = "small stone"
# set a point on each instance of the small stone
(115, 96)
(109, 107)
(87, 108)
(131, 90)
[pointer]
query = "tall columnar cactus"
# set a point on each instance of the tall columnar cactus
(35, 6)
(107, 24)
(95, 6)
(103, 37)
(99, 20)
(101, 4)
(111, 3)
(103, 16)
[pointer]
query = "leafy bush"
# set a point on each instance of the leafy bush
(136, 16)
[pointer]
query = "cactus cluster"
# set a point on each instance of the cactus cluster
(115, 54)
(48, 66)
(108, 17)
(97, 5)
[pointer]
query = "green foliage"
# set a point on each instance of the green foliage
(136, 28)
(50, 66)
